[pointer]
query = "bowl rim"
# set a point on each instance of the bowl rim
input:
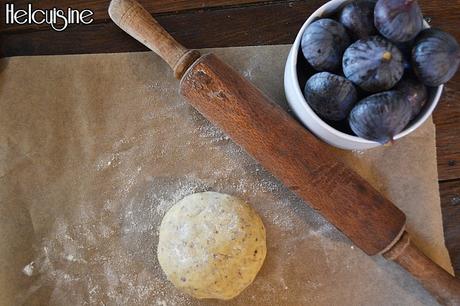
(325, 9)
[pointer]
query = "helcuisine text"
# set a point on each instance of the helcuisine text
(57, 19)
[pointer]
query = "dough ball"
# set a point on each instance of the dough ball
(211, 245)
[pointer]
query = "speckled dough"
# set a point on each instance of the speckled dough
(211, 245)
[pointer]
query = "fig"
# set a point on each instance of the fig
(415, 92)
(323, 44)
(380, 117)
(330, 96)
(398, 20)
(358, 18)
(373, 64)
(435, 57)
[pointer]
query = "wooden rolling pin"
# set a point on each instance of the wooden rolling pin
(281, 145)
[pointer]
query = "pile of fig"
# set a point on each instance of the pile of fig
(372, 67)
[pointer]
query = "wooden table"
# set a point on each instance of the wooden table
(225, 23)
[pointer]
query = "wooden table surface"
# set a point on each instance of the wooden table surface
(225, 23)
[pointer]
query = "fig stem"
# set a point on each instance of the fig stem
(387, 56)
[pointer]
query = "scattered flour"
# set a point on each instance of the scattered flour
(105, 253)
(29, 269)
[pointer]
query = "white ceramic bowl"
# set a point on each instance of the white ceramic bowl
(296, 100)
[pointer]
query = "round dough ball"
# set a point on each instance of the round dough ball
(211, 245)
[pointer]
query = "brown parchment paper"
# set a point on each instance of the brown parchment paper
(94, 149)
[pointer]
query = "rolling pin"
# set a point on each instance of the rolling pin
(282, 146)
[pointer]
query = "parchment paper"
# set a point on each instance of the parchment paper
(94, 149)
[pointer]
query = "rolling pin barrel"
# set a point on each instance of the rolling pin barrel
(282, 146)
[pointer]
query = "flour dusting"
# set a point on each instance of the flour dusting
(29, 269)
(104, 253)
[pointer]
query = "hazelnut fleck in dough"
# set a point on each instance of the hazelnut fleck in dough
(211, 245)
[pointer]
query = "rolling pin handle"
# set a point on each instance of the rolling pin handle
(132, 18)
(443, 286)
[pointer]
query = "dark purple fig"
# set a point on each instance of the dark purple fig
(398, 20)
(358, 18)
(380, 117)
(415, 92)
(374, 64)
(330, 96)
(435, 57)
(323, 44)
